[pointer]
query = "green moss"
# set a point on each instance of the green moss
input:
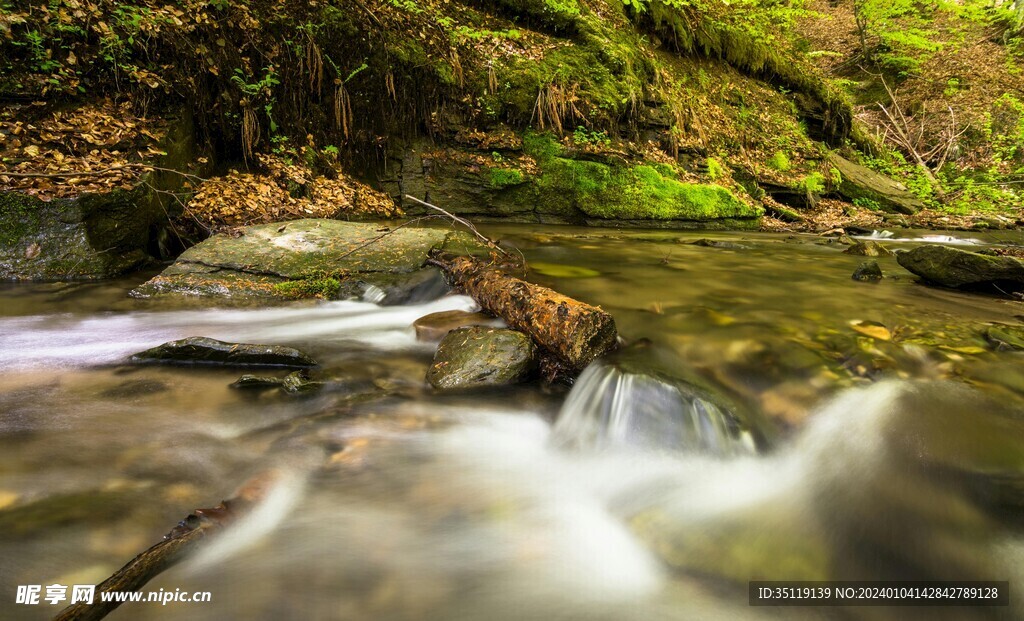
(321, 286)
(554, 14)
(541, 146)
(505, 177)
(715, 169)
(643, 192)
(813, 183)
(19, 216)
(779, 161)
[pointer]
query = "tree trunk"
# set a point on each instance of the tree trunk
(574, 332)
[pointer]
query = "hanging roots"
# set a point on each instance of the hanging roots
(342, 109)
(315, 64)
(389, 84)
(250, 129)
(492, 79)
(555, 105)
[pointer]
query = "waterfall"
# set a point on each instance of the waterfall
(618, 403)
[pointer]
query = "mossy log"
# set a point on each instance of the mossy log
(574, 332)
(185, 538)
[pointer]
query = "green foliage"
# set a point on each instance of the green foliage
(715, 169)
(835, 177)
(952, 87)
(813, 183)
(406, 5)
(779, 161)
(583, 136)
(867, 203)
(1003, 129)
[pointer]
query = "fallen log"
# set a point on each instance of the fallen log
(176, 546)
(573, 332)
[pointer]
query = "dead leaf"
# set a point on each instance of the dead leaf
(872, 328)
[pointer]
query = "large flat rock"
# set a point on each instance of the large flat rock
(951, 267)
(353, 256)
(859, 182)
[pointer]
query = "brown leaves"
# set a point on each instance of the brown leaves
(241, 199)
(85, 139)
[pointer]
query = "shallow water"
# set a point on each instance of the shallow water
(876, 459)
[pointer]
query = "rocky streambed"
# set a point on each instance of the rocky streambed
(766, 416)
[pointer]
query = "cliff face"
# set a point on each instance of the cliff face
(656, 112)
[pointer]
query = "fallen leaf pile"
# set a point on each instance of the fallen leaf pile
(242, 199)
(95, 140)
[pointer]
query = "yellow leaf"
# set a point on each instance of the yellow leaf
(872, 328)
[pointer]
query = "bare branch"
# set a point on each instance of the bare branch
(466, 223)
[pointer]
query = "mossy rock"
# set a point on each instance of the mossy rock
(327, 259)
(951, 267)
(859, 182)
(479, 356)
(868, 248)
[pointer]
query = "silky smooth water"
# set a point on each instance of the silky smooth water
(852, 457)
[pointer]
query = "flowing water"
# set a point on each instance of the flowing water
(773, 419)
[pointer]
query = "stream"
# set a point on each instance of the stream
(776, 421)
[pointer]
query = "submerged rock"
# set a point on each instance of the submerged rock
(868, 271)
(202, 350)
(951, 267)
(868, 248)
(717, 243)
(313, 258)
(256, 382)
(859, 182)
(480, 356)
(434, 326)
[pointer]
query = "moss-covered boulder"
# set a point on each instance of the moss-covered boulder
(859, 182)
(479, 356)
(311, 258)
(202, 350)
(950, 267)
(868, 248)
(544, 180)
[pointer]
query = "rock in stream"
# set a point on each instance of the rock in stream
(951, 267)
(202, 350)
(481, 356)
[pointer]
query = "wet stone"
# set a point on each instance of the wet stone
(868, 271)
(950, 267)
(479, 356)
(868, 248)
(201, 350)
(294, 383)
(717, 243)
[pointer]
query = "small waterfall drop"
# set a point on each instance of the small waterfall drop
(629, 401)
